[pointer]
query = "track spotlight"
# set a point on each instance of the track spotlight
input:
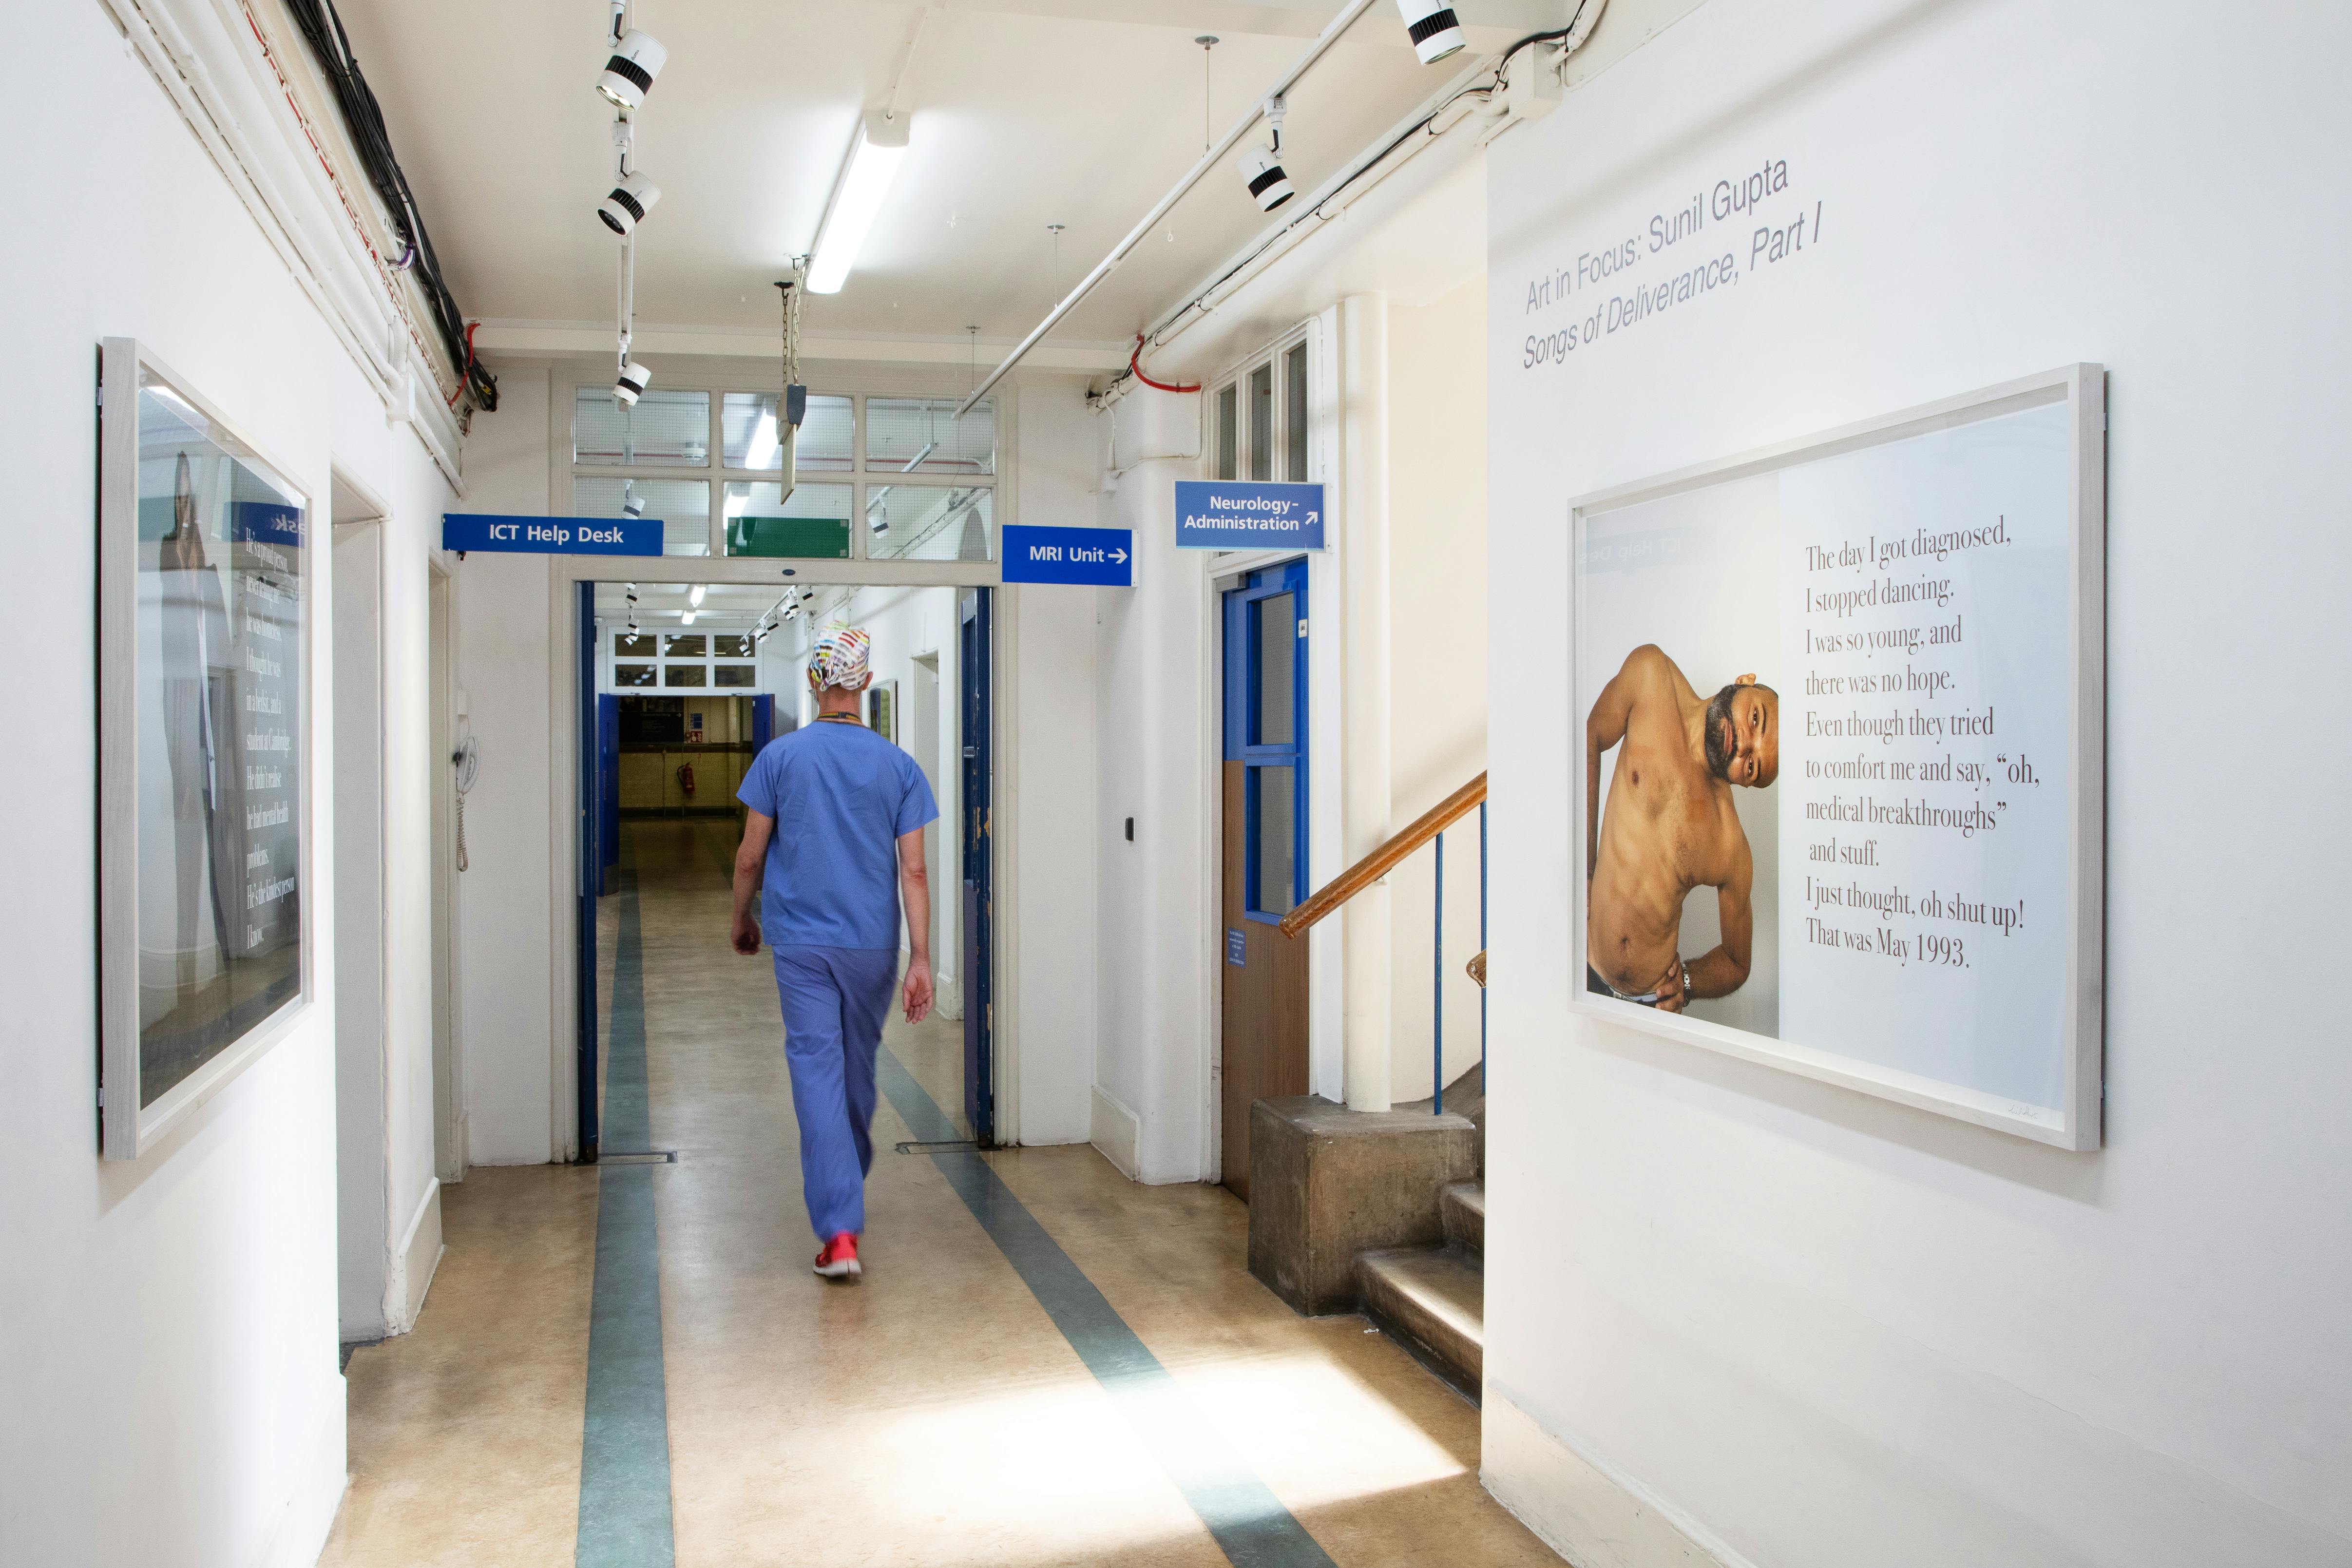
(631, 505)
(632, 383)
(1262, 169)
(638, 58)
(628, 206)
(1432, 25)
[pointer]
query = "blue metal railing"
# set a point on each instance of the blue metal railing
(1437, 974)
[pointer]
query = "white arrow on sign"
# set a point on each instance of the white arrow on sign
(1310, 519)
(1119, 557)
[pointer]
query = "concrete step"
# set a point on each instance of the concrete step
(1433, 1299)
(1465, 1096)
(1463, 1205)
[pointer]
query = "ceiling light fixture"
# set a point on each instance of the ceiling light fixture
(686, 619)
(1261, 167)
(695, 595)
(874, 159)
(638, 58)
(1435, 31)
(628, 206)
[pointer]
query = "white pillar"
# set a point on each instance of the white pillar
(1364, 705)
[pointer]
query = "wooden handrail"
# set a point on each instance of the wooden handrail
(1383, 860)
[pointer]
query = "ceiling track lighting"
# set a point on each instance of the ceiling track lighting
(875, 155)
(1261, 167)
(632, 383)
(1435, 31)
(628, 206)
(629, 76)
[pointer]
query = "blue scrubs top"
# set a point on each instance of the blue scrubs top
(841, 795)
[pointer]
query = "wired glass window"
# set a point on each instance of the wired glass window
(682, 505)
(665, 429)
(1293, 430)
(677, 443)
(1260, 420)
(683, 661)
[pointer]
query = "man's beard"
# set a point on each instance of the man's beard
(1718, 733)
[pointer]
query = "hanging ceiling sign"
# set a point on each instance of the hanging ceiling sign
(1245, 514)
(1090, 557)
(468, 530)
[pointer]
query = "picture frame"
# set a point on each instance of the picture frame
(1627, 540)
(206, 571)
(882, 709)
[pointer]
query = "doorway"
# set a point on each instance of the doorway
(683, 686)
(1264, 1031)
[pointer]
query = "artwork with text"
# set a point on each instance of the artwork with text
(1861, 661)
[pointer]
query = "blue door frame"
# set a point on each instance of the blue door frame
(589, 841)
(1247, 740)
(975, 643)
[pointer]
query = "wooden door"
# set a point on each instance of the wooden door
(1265, 860)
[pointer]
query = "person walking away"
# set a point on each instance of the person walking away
(836, 823)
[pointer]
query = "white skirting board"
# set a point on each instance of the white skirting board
(1118, 1132)
(417, 1260)
(1580, 1505)
(318, 1497)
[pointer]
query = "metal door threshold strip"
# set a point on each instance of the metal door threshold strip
(1250, 1524)
(624, 1515)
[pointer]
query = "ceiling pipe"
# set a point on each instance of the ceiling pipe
(1209, 160)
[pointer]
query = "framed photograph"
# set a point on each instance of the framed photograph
(204, 659)
(1838, 792)
(882, 708)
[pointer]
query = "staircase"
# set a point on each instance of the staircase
(1432, 1299)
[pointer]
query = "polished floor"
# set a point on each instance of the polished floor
(1045, 1362)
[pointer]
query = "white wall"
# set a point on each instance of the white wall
(1153, 744)
(506, 899)
(1814, 1328)
(1438, 678)
(170, 1376)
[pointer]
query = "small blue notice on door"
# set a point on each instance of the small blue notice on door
(1243, 514)
(1236, 948)
(1088, 557)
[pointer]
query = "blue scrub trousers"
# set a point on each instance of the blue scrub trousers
(834, 1000)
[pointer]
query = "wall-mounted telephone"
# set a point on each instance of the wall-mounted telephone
(467, 759)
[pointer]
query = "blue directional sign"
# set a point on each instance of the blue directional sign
(1242, 514)
(1095, 557)
(469, 530)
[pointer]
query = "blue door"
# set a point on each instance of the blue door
(1264, 1037)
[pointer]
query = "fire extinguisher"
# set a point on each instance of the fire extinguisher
(685, 777)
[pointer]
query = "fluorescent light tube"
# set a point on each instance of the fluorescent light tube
(694, 596)
(874, 159)
(764, 446)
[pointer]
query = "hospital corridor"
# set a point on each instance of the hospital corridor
(1103, 784)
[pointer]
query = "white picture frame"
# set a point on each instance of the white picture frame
(2075, 1121)
(129, 1128)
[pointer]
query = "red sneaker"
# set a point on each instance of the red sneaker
(839, 1258)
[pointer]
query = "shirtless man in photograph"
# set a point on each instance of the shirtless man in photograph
(1671, 827)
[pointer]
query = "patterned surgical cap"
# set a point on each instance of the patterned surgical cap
(838, 658)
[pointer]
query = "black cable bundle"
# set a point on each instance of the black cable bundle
(332, 46)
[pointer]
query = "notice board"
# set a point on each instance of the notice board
(1839, 750)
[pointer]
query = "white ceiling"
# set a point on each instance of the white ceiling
(1025, 112)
